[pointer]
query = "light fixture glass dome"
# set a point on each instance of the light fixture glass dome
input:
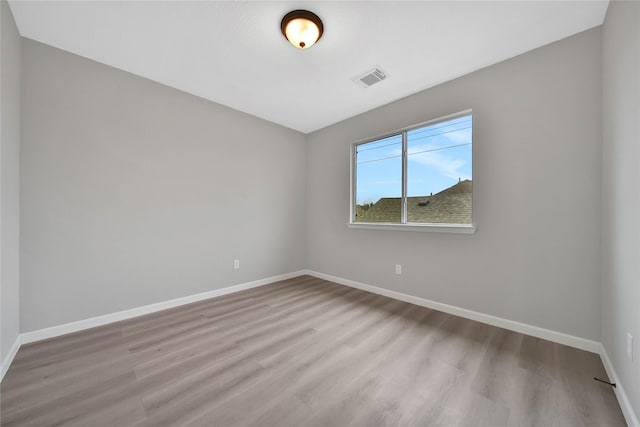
(302, 28)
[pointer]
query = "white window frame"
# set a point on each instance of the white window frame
(404, 225)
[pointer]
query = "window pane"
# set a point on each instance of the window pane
(379, 180)
(439, 177)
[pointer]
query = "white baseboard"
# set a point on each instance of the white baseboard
(535, 331)
(627, 410)
(10, 356)
(67, 328)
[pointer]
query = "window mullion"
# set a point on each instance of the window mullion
(403, 219)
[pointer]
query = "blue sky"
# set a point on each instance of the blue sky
(438, 155)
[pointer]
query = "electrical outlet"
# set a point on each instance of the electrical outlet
(629, 346)
(236, 264)
(398, 268)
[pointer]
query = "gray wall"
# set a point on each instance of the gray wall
(535, 257)
(135, 193)
(621, 192)
(10, 176)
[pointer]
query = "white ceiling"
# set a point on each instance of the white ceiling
(233, 53)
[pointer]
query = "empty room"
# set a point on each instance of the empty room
(320, 213)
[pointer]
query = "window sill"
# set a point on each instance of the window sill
(433, 228)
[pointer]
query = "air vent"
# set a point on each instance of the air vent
(372, 77)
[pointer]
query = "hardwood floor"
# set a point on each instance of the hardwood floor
(304, 352)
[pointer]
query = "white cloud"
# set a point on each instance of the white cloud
(448, 166)
(459, 137)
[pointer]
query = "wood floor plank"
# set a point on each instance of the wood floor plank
(304, 352)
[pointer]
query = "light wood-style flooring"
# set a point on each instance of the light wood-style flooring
(304, 352)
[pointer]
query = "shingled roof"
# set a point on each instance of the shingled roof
(450, 206)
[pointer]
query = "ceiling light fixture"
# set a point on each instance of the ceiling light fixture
(302, 28)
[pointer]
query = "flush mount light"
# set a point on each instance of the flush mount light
(302, 28)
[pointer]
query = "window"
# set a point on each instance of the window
(418, 176)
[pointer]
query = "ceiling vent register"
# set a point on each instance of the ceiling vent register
(372, 77)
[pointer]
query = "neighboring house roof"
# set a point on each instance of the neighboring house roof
(450, 206)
